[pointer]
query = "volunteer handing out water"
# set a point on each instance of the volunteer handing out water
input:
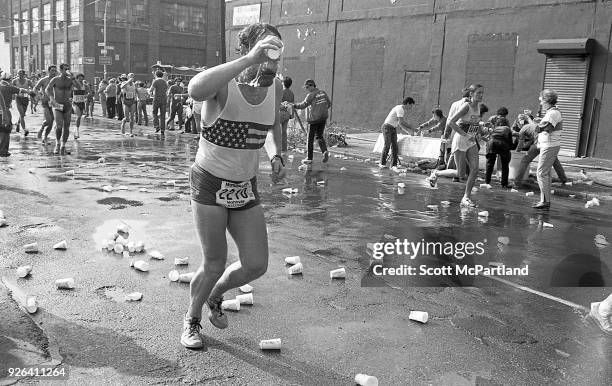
(240, 115)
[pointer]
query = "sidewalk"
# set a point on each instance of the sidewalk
(598, 181)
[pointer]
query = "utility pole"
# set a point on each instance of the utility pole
(105, 50)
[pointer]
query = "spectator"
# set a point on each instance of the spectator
(395, 119)
(438, 121)
(287, 99)
(499, 145)
(159, 90)
(316, 104)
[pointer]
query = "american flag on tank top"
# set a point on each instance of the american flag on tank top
(236, 135)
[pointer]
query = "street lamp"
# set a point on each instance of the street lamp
(105, 49)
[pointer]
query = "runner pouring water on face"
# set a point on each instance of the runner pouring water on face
(240, 115)
(128, 89)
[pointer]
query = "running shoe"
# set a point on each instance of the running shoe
(433, 179)
(215, 313)
(325, 156)
(190, 337)
(383, 166)
(306, 161)
(57, 149)
(467, 202)
(603, 322)
(541, 205)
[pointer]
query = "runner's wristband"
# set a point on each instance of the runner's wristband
(279, 157)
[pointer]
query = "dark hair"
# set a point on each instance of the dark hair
(483, 108)
(465, 92)
(51, 67)
(64, 66)
(437, 112)
(408, 101)
(472, 89)
(502, 121)
(249, 35)
(287, 81)
(79, 74)
(159, 73)
(503, 111)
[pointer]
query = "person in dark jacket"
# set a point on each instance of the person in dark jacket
(316, 104)
(499, 144)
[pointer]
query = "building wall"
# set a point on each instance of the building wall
(369, 54)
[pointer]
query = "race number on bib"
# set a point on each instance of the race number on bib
(129, 95)
(79, 98)
(235, 194)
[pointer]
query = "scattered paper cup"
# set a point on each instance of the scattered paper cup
(445, 203)
(419, 316)
(231, 304)
(504, 240)
(101, 160)
(245, 299)
(141, 265)
(140, 246)
(342, 168)
(548, 225)
(123, 228)
(401, 185)
(61, 245)
(320, 182)
(126, 254)
(292, 260)
(131, 246)
(67, 283)
(181, 260)
(156, 255)
(366, 380)
(31, 248)
(474, 189)
(3, 222)
(174, 275)
(528, 194)
(31, 171)
(270, 344)
(69, 172)
(290, 190)
(24, 271)
(143, 190)
(513, 190)
(107, 188)
(31, 305)
(246, 288)
(401, 190)
(339, 273)
(486, 186)
(432, 207)
(118, 248)
(296, 269)
(133, 297)
(186, 277)
(484, 213)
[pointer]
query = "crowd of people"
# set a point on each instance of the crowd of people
(465, 130)
(64, 94)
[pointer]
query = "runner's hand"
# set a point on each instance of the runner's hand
(258, 54)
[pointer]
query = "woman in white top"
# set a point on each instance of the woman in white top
(240, 115)
(549, 143)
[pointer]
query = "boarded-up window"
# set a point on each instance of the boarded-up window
(490, 62)
(367, 62)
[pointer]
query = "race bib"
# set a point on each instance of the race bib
(79, 98)
(58, 106)
(177, 97)
(235, 194)
(129, 95)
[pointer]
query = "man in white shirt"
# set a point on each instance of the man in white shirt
(395, 119)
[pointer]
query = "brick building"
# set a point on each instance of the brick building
(369, 54)
(139, 34)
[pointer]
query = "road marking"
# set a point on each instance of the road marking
(539, 293)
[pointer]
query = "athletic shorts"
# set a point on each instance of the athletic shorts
(23, 101)
(129, 102)
(67, 107)
(207, 189)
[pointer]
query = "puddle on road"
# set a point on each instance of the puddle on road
(118, 202)
(112, 292)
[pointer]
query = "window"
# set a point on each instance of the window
(181, 22)
(168, 16)
(139, 12)
(75, 55)
(197, 20)
(46, 17)
(59, 13)
(120, 12)
(46, 56)
(16, 58)
(16, 25)
(35, 20)
(25, 56)
(25, 20)
(60, 54)
(74, 11)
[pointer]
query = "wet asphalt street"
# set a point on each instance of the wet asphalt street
(481, 330)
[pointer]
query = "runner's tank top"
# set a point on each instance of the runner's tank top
(229, 145)
(470, 124)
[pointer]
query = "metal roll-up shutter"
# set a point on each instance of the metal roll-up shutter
(567, 75)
